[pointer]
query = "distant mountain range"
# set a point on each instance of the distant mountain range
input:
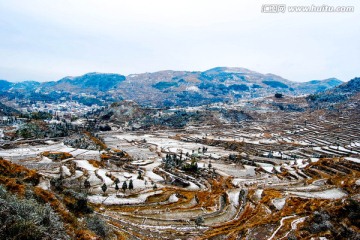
(345, 92)
(164, 88)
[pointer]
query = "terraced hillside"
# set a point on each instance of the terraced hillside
(282, 175)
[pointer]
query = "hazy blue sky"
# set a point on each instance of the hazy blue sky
(48, 39)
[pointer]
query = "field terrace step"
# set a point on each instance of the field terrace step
(334, 151)
(40, 166)
(325, 152)
(311, 172)
(300, 152)
(321, 173)
(344, 149)
(267, 160)
(317, 141)
(312, 126)
(309, 152)
(326, 170)
(338, 167)
(301, 173)
(334, 170)
(352, 148)
(351, 165)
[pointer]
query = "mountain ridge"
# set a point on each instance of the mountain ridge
(343, 93)
(171, 88)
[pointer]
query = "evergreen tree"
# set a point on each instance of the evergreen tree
(131, 186)
(117, 181)
(139, 175)
(199, 220)
(124, 186)
(87, 184)
(104, 187)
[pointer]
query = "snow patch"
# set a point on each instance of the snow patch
(279, 203)
(173, 198)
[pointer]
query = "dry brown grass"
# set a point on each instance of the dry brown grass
(13, 186)
(96, 141)
(96, 164)
(105, 156)
(208, 199)
(83, 234)
(269, 194)
(18, 173)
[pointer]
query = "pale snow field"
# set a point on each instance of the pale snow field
(93, 179)
(113, 200)
(235, 171)
(153, 176)
(334, 193)
(85, 164)
(174, 145)
(27, 150)
(33, 151)
(106, 179)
